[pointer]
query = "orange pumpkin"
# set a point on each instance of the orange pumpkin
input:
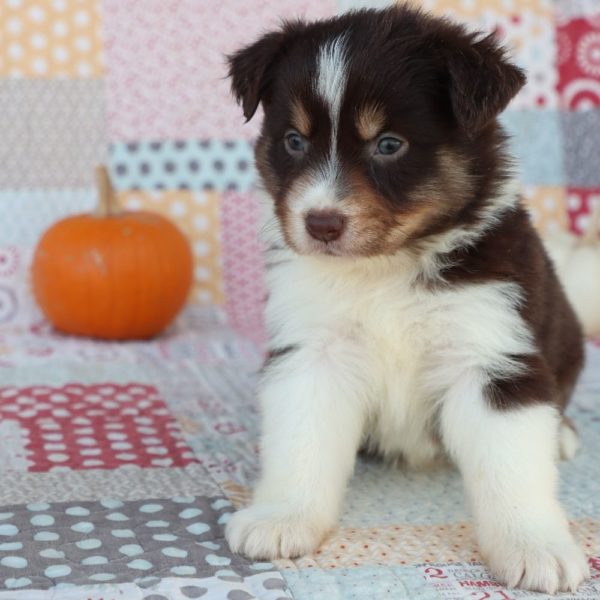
(112, 275)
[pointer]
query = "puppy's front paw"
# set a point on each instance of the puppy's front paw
(263, 532)
(541, 565)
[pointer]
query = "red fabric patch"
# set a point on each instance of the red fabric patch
(580, 202)
(95, 426)
(578, 64)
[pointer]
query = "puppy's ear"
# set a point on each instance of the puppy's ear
(251, 68)
(482, 82)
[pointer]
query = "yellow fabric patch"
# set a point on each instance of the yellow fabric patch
(50, 38)
(547, 206)
(197, 215)
(474, 8)
(391, 545)
(409, 544)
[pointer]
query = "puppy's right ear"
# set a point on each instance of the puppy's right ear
(251, 70)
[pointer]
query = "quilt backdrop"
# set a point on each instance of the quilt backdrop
(121, 463)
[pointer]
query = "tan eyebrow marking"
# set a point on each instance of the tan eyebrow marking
(300, 118)
(370, 120)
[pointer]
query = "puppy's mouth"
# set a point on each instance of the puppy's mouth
(336, 248)
(349, 245)
(304, 244)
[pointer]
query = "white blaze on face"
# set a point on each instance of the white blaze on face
(318, 190)
(332, 76)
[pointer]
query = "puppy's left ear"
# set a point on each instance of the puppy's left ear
(482, 82)
(252, 69)
(249, 70)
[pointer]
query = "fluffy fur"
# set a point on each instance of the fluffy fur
(421, 318)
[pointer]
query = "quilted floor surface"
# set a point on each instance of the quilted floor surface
(121, 463)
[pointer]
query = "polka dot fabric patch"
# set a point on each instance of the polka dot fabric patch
(197, 215)
(185, 164)
(581, 202)
(50, 38)
(526, 28)
(547, 206)
(95, 427)
(111, 540)
(471, 9)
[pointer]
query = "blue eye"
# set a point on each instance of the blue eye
(390, 145)
(295, 143)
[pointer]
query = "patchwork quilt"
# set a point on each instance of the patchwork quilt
(120, 463)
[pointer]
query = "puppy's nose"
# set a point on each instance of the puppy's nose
(325, 226)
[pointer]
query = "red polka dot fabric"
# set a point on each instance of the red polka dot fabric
(94, 427)
(580, 203)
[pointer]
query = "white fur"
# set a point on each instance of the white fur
(378, 360)
(314, 411)
(507, 459)
(332, 76)
(578, 266)
(568, 442)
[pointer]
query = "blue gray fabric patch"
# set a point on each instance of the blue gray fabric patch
(581, 133)
(536, 143)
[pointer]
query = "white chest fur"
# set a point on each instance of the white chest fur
(412, 342)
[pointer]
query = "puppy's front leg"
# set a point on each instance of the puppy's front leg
(313, 400)
(507, 459)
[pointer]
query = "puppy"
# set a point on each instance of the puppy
(412, 309)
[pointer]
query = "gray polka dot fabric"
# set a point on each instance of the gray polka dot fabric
(183, 164)
(174, 543)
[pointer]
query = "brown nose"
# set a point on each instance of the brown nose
(325, 226)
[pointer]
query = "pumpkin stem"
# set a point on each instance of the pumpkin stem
(107, 206)
(591, 234)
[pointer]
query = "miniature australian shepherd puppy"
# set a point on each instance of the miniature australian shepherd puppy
(412, 309)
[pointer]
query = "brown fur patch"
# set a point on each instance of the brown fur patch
(513, 252)
(300, 118)
(264, 166)
(442, 195)
(369, 121)
(368, 217)
(451, 183)
(384, 230)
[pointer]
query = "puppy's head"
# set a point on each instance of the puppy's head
(379, 127)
